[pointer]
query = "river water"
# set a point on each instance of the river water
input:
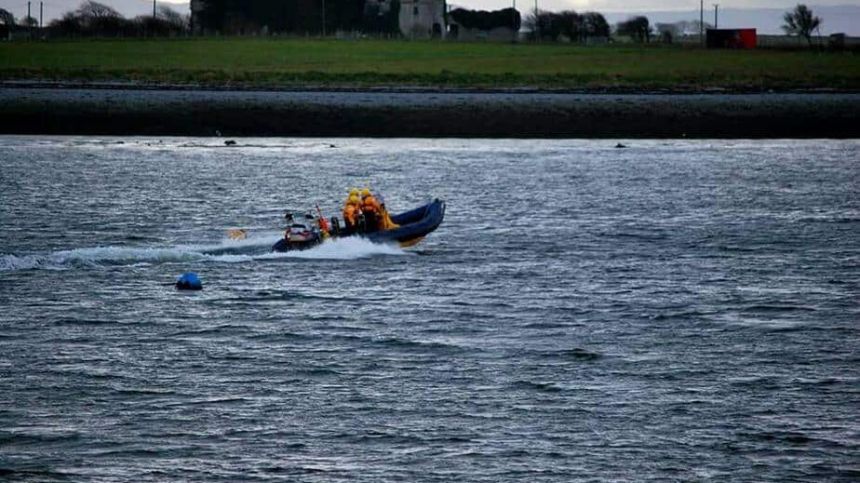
(674, 310)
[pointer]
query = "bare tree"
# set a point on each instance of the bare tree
(98, 19)
(594, 24)
(174, 19)
(6, 18)
(802, 22)
(69, 25)
(96, 10)
(637, 28)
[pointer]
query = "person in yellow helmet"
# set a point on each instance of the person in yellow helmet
(352, 211)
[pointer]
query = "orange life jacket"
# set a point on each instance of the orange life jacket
(350, 214)
(370, 204)
(373, 212)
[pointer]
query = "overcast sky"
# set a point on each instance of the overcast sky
(642, 5)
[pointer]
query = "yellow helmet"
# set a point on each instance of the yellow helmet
(354, 200)
(365, 192)
(353, 192)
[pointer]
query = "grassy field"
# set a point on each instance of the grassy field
(298, 62)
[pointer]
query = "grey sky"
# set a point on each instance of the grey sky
(641, 5)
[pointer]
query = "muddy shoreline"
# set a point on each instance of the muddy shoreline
(123, 110)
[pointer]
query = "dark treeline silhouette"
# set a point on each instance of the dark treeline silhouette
(378, 21)
(637, 28)
(567, 25)
(94, 19)
(484, 20)
(296, 17)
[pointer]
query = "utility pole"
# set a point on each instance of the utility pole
(716, 15)
(514, 19)
(702, 21)
(323, 18)
(29, 27)
(153, 8)
(41, 14)
(537, 23)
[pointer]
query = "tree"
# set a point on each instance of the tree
(594, 24)
(6, 18)
(637, 28)
(566, 24)
(94, 10)
(172, 17)
(67, 26)
(99, 19)
(800, 21)
(484, 20)
(569, 24)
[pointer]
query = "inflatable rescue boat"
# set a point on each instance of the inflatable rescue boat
(411, 227)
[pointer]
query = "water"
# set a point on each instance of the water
(670, 311)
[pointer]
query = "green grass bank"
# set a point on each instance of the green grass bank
(273, 63)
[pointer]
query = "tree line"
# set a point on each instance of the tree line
(566, 25)
(800, 22)
(297, 17)
(94, 19)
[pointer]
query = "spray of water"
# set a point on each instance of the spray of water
(255, 248)
(341, 249)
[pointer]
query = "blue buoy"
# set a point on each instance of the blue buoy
(189, 281)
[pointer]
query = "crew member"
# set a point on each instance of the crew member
(372, 212)
(323, 224)
(351, 211)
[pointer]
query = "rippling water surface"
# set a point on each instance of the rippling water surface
(669, 311)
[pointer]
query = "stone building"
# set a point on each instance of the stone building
(423, 19)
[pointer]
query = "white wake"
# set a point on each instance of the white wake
(254, 248)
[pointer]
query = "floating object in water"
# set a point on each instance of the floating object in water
(620, 146)
(229, 142)
(189, 281)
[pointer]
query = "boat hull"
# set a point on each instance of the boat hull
(414, 226)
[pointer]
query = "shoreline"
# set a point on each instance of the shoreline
(408, 89)
(132, 109)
